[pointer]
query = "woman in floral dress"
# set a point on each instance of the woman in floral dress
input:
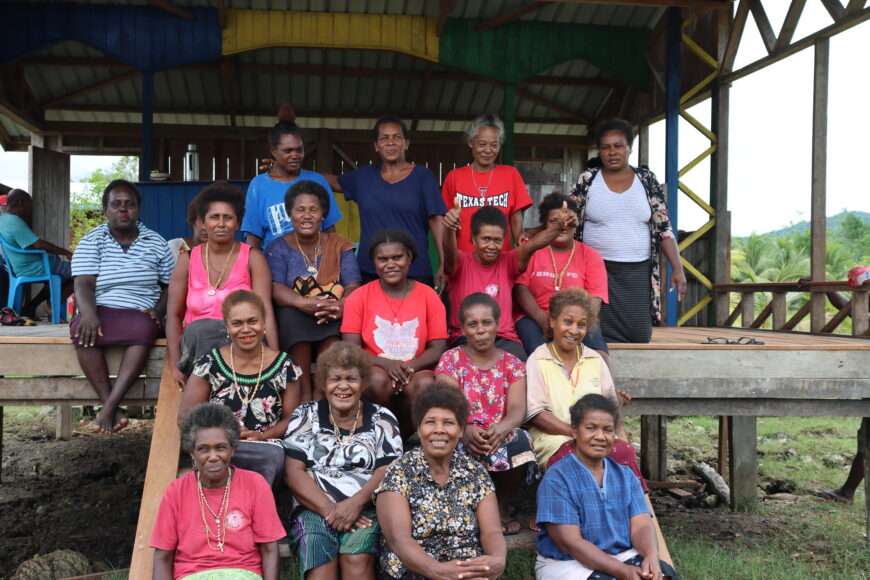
(436, 505)
(494, 383)
(257, 383)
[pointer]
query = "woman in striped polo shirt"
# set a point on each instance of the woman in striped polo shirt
(121, 270)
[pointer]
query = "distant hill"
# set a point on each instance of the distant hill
(833, 223)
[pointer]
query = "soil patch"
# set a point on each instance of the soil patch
(81, 494)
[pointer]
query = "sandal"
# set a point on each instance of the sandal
(9, 317)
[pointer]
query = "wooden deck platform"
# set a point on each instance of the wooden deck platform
(677, 374)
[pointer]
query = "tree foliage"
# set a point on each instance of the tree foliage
(85, 208)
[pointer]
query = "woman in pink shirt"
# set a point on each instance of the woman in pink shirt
(207, 275)
(218, 521)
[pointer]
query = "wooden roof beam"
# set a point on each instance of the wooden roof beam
(511, 15)
(55, 101)
(703, 4)
(169, 7)
(834, 8)
(550, 104)
(786, 33)
(764, 27)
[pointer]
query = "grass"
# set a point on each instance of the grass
(781, 540)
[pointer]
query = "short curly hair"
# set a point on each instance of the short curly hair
(618, 125)
(478, 299)
(592, 402)
(121, 184)
(343, 355)
(221, 192)
(573, 297)
(552, 202)
(440, 395)
(306, 186)
(209, 416)
(242, 297)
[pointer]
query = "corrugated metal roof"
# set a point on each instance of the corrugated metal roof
(199, 95)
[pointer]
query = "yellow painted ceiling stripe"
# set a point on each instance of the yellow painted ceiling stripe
(252, 29)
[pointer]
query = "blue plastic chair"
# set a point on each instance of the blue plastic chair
(17, 283)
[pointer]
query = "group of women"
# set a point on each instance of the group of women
(245, 327)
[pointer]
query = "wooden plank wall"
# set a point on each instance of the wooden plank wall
(49, 173)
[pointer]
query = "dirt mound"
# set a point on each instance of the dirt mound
(80, 495)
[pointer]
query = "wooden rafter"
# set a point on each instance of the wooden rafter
(764, 27)
(5, 137)
(695, 4)
(855, 6)
(512, 15)
(231, 87)
(55, 101)
(171, 8)
(834, 8)
(524, 93)
(445, 7)
(736, 34)
(790, 23)
(221, 7)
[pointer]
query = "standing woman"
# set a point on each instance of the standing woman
(624, 217)
(401, 323)
(312, 274)
(207, 275)
(265, 216)
(396, 194)
(483, 182)
(121, 270)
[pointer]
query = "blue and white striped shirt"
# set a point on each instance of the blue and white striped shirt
(125, 279)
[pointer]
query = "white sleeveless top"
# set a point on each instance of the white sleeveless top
(617, 224)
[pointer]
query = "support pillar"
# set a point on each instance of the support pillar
(654, 447)
(643, 145)
(744, 462)
(818, 226)
(508, 115)
(147, 155)
(672, 115)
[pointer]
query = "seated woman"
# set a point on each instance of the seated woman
(199, 234)
(257, 383)
(401, 323)
(207, 275)
(437, 506)
(238, 539)
(561, 372)
(585, 533)
(312, 274)
(338, 449)
(564, 264)
(121, 269)
(494, 383)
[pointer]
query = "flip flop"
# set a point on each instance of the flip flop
(832, 495)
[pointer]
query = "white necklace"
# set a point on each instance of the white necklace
(220, 533)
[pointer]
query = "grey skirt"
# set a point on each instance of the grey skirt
(198, 339)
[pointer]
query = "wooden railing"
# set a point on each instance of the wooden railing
(849, 303)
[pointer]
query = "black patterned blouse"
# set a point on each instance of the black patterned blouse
(265, 408)
(443, 518)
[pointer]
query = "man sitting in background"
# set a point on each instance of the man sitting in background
(15, 229)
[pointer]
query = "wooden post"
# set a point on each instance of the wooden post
(147, 154)
(864, 448)
(324, 152)
(721, 239)
(643, 144)
(672, 118)
(780, 310)
(747, 309)
(744, 462)
(724, 439)
(63, 428)
(819, 188)
(508, 114)
(859, 312)
(653, 447)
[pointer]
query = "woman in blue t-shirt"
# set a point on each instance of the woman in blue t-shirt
(395, 194)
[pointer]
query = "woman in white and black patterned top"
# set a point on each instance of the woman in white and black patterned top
(338, 449)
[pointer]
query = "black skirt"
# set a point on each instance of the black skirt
(627, 318)
(295, 326)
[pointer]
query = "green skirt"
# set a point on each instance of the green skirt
(224, 574)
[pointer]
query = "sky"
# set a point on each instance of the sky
(770, 133)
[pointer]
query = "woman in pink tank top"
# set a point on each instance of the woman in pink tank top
(205, 277)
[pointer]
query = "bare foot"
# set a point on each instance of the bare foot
(510, 527)
(121, 421)
(104, 421)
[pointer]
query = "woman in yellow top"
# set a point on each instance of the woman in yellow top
(560, 372)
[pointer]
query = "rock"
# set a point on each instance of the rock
(835, 460)
(714, 481)
(711, 501)
(780, 486)
(53, 566)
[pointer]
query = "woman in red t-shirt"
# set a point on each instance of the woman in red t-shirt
(485, 183)
(217, 519)
(401, 323)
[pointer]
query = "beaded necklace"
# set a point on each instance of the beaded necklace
(219, 518)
